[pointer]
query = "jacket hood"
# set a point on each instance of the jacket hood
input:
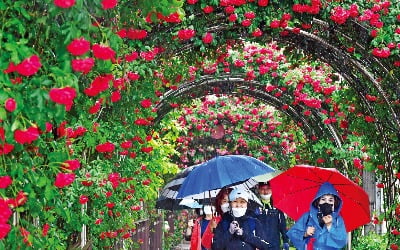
(326, 188)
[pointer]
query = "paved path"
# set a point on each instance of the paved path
(185, 245)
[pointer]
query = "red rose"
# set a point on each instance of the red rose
(186, 34)
(10, 104)
(6, 148)
(109, 4)
(263, 3)
(20, 200)
(207, 38)
(126, 144)
(105, 147)
(83, 199)
(5, 181)
(78, 46)
(64, 179)
(4, 230)
(45, 229)
(147, 149)
(135, 34)
(229, 9)
(71, 164)
(110, 205)
(26, 136)
(115, 96)
(64, 96)
(95, 108)
(103, 52)
(369, 118)
(192, 1)
(5, 211)
(246, 22)
(339, 15)
(146, 103)
(64, 3)
(249, 15)
(98, 85)
(208, 9)
(84, 65)
(232, 18)
(29, 66)
(142, 122)
(275, 24)
(147, 56)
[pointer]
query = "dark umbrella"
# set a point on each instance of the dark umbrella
(169, 196)
(219, 172)
(294, 190)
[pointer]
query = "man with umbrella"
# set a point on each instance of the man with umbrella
(272, 219)
(322, 227)
(239, 231)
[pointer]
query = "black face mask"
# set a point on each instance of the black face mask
(325, 209)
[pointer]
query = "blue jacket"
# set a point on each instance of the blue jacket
(250, 240)
(274, 223)
(334, 239)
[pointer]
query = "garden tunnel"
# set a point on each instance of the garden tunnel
(365, 75)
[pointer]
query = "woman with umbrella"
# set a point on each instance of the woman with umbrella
(321, 227)
(239, 231)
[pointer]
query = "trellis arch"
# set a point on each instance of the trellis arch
(365, 75)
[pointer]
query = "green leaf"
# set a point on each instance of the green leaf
(16, 125)
(3, 113)
(42, 181)
(48, 192)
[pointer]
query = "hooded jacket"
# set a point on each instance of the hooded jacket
(323, 239)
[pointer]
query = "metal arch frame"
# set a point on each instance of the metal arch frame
(238, 86)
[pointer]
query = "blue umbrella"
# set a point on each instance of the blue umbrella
(221, 171)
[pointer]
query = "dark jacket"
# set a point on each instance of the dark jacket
(250, 240)
(323, 239)
(274, 223)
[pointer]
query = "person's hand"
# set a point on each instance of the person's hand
(286, 246)
(309, 232)
(233, 227)
(239, 231)
(327, 219)
(213, 223)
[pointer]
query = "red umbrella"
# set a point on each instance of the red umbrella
(294, 190)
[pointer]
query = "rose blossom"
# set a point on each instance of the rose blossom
(64, 96)
(29, 66)
(78, 46)
(10, 104)
(64, 3)
(64, 179)
(5, 181)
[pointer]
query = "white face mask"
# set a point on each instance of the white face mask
(225, 207)
(239, 211)
(266, 197)
(208, 210)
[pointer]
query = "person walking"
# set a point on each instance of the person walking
(200, 231)
(272, 219)
(222, 201)
(321, 228)
(236, 230)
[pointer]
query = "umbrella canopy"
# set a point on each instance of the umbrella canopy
(294, 190)
(167, 199)
(221, 171)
